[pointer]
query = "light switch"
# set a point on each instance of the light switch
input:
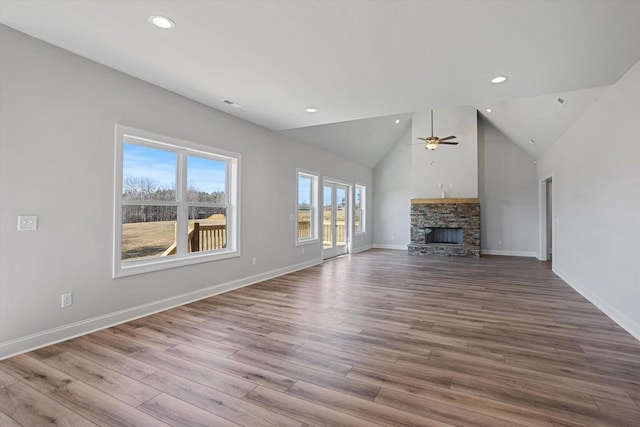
(27, 222)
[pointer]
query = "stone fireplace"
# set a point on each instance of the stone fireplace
(447, 227)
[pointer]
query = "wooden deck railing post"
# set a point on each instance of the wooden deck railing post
(195, 238)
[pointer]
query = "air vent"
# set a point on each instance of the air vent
(231, 103)
(560, 102)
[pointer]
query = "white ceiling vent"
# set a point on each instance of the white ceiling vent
(231, 103)
(560, 102)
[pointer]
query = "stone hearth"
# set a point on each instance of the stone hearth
(428, 214)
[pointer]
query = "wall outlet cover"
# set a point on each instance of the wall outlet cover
(67, 300)
(27, 222)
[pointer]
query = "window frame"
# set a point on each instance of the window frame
(313, 208)
(183, 149)
(363, 205)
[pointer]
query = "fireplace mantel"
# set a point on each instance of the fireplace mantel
(438, 201)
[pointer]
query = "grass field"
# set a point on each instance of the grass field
(326, 216)
(142, 240)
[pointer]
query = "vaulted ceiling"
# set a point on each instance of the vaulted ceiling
(356, 60)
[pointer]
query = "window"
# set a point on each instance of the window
(175, 203)
(307, 207)
(359, 211)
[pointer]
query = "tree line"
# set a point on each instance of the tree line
(147, 189)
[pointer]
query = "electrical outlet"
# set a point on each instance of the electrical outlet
(499, 242)
(254, 261)
(67, 300)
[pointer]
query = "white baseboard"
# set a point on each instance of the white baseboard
(362, 249)
(621, 319)
(385, 246)
(62, 333)
(508, 253)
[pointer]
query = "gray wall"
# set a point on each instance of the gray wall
(391, 194)
(455, 167)
(595, 167)
(508, 194)
(58, 112)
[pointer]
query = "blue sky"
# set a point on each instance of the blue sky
(326, 194)
(144, 162)
(304, 193)
(341, 195)
(304, 190)
(205, 174)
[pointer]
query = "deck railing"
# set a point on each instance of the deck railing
(207, 237)
(203, 237)
(304, 230)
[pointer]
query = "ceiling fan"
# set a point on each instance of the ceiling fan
(432, 142)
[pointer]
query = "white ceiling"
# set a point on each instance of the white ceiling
(365, 141)
(353, 60)
(539, 118)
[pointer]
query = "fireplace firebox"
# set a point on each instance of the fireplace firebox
(443, 235)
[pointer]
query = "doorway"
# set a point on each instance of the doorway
(550, 220)
(335, 219)
(546, 219)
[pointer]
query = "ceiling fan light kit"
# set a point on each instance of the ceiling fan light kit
(432, 142)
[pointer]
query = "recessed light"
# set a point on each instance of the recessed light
(488, 110)
(311, 110)
(162, 22)
(532, 141)
(498, 79)
(397, 121)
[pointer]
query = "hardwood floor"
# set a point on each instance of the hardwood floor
(376, 338)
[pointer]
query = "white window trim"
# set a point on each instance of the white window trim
(182, 148)
(314, 213)
(363, 209)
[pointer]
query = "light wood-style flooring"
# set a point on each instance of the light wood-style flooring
(376, 338)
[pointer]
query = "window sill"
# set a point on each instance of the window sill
(307, 242)
(148, 266)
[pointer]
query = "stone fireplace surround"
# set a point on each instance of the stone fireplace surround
(445, 213)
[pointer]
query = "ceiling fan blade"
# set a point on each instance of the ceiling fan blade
(423, 139)
(448, 142)
(447, 137)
